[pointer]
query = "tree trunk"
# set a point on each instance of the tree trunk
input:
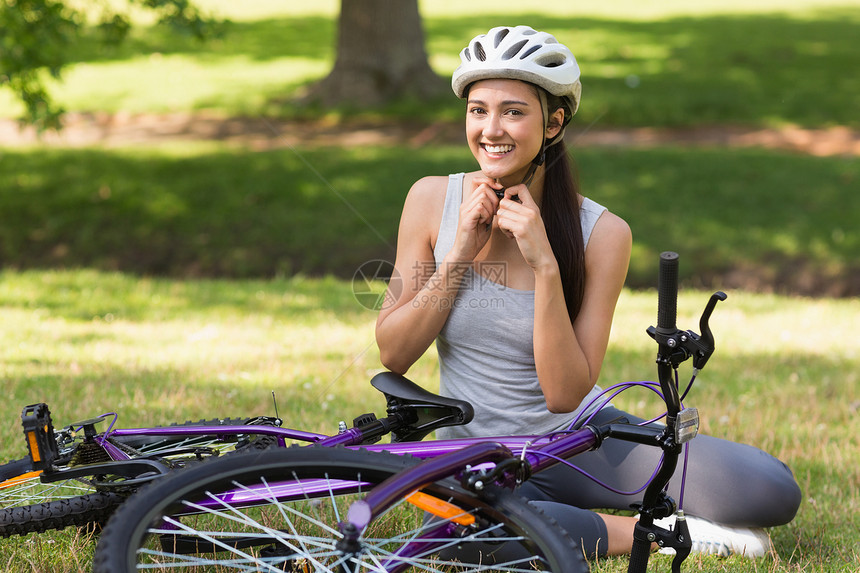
(380, 56)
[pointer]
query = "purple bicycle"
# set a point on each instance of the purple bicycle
(419, 506)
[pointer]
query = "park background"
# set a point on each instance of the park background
(189, 242)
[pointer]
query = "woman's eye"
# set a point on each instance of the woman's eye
(515, 112)
(477, 110)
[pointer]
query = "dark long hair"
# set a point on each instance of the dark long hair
(560, 213)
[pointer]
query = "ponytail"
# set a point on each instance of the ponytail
(560, 213)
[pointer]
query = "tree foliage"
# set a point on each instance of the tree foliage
(36, 37)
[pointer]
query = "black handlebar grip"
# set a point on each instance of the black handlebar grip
(639, 557)
(667, 291)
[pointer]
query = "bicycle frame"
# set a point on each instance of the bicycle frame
(352, 437)
(505, 460)
(443, 459)
(469, 460)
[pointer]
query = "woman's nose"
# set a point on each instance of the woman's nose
(493, 126)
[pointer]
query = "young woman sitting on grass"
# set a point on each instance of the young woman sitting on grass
(515, 275)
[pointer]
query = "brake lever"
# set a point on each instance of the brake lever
(679, 345)
(702, 346)
(681, 542)
(677, 538)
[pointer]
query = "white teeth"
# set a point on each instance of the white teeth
(498, 148)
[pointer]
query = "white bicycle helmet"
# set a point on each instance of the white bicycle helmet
(520, 53)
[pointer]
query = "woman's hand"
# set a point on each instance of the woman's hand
(521, 220)
(476, 219)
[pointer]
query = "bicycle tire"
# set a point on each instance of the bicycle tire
(29, 506)
(91, 510)
(134, 534)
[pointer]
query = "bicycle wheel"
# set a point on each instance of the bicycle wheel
(279, 510)
(27, 505)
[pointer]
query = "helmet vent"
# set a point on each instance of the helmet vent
(514, 50)
(500, 36)
(519, 53)
(529, 52)
(550, 61)
(479, 52)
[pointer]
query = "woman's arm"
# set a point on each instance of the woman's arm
(420, 295)
(569, 356)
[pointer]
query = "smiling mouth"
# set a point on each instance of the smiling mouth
(497, 149)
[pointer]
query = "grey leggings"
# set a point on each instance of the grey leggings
(728, 483)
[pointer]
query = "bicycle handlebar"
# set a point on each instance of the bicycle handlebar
(674, 347)
(667, 292)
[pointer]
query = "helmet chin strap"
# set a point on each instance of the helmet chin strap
(530, 174)
(527, 178)
(541, 156)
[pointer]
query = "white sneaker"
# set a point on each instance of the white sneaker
(711, 538)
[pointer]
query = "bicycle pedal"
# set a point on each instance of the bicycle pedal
(39, 433)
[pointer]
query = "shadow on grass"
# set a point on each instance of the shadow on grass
(747, 68)
(739, 218)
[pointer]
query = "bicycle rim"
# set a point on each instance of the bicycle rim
(280, 511)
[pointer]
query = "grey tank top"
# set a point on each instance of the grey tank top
(485, 348)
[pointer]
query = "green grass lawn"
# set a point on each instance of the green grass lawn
(785, 377)
(89, 323)
(673, 63)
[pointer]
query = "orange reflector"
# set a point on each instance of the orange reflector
(12, 482)
(34, 447)
(440, 508)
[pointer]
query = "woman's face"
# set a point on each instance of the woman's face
(504, 127)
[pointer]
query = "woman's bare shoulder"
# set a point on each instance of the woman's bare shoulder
(422, 211)
(614, 226)
(610, 243)
(428, 190)
(426, 199)
(432, 189)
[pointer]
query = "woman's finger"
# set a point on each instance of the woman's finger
(520, 194)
